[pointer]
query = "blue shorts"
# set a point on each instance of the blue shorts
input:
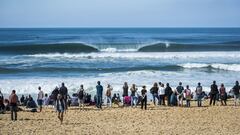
(40, 102)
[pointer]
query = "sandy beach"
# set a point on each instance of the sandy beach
(156, 120)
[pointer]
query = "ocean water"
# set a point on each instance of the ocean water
(32, 57)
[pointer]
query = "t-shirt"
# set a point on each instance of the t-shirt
(199, 90)
(144, 91)
(214, 89)
(161, 91)
(40, 95)
(125, 90)
(180, 89)
(108, 93)
(133, 91)
(188, 94)
(81, 93)
(236, 89)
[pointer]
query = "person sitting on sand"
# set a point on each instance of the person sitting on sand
(213, 93)
(180, 94)
(22, 100)
(199, 93)
(188, 95)
(109, 95)
(31, 103)
(161, 94)
(99, 88)
(60, 107)
(168, 93)
(13, 99)
(116, 99)
(223, 94)
(236, 94)
(40, 98)
(64, 92)
(144, 97)
(81, 97)
(133, 90)
(154, 92)
(125, 91)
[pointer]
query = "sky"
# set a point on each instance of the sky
(119, 13)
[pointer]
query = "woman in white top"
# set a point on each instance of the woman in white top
(161, 93)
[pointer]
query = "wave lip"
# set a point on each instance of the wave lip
(228, 67)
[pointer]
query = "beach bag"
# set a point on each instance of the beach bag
(127, 100)
(33, 110)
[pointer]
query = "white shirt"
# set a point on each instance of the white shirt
(40, 95)
(161, 91)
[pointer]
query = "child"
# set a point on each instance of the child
(188, 96)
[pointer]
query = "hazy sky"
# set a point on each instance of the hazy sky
(119, 13)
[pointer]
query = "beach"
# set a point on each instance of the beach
(117, 120)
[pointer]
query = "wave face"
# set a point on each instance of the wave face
(173, 47)
(47, 48)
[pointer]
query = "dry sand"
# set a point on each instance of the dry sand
(156, 120)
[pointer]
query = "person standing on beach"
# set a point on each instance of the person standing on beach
(161, 94)
(99, 88)
(168, 92)
(223, 94)
(133, 90)
(13, 99)
(154, 92)
(213, 93)
(199, 92)
(54, 94)
(40, 98)
(144, 97)
(64, 92)
(60, 107)
(81, 97)
(109, 95)
(236, 94)
(180, 94)
(125, 92)
(188, 95)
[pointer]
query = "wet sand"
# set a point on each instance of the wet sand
(156, 120)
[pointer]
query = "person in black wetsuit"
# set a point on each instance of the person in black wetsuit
(213, 93)
(64, 92)
(168, 93)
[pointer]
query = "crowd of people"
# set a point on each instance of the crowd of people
(160, 92)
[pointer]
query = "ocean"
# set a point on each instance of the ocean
(46, 57)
